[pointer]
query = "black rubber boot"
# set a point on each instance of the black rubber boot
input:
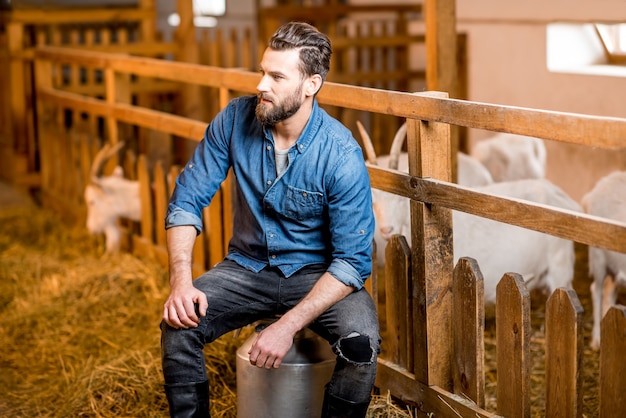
(188, 401)
(334, 407)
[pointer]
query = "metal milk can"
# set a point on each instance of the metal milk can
(295, 389)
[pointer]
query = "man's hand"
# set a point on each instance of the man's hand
(271, 346)
(179, 309)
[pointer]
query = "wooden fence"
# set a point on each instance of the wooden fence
(374, 46)
(112, 29)
(433, 312)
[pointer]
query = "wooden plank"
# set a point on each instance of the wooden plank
(432, 259)
(160, 202)
(398, 289)
(142, 85)
(513, 334)
(387, 41)
(431, 401)
(564, 355)
(468, 321)
(145, 192)
(222, 216)
(46, 118)
(559, 126)
(612, 364)
(39, 16)
(199, 256)
(15, 34)
(148, 118)
(188, 52)
(579, 227)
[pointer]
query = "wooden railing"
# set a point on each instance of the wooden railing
(436, 360)
(128, 29)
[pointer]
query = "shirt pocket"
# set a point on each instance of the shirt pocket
(303, 204)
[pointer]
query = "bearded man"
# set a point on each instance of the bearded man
(301, 247)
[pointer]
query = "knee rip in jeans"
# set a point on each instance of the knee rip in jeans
(356, 349)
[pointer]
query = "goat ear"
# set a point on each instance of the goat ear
(118, 172)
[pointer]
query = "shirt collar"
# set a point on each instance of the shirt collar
(311, 128)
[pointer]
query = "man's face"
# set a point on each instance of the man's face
(280, 89)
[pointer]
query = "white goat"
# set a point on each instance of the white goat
(470, 172)
(608, 200)
(497, 247)
(110, 198)
(545, 261)
(512, 157)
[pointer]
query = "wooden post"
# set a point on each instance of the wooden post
(46, 120)
(117, 91)
(14, 163)
(188, 52)
(148, 25)
(432, 258)
(441, 57)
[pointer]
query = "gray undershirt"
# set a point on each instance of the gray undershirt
(281, 161)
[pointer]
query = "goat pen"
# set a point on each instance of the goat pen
(434, 317)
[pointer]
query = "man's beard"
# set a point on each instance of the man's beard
(281, 111)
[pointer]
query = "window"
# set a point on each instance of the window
(613, 37)
(587, 48)
(209, 7)
(205, 12)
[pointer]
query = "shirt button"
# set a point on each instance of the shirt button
(271, 235)
(269, 182)
(274, 256)
(269, 148)
(304, 194)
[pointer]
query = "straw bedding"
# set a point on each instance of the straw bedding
(79, 334)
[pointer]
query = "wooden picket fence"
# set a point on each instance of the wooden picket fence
(433, 313)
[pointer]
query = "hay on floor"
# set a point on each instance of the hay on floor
(79, 334)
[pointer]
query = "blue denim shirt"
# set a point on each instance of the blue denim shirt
(318, 211)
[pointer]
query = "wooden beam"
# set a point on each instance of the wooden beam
(428, 399)
(563, 223)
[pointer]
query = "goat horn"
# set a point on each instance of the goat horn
(106, 152)
(396, 147)
(367, 144)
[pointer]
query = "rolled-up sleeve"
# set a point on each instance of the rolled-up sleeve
(345, 273)
(178, 217)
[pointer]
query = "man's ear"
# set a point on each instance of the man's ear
(313, 85)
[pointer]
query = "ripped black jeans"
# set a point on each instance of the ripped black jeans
(238, 297)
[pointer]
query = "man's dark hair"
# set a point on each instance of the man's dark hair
(314, 46)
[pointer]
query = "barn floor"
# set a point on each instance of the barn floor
(10, 197)
(79, 335)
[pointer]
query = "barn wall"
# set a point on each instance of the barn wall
(507, 65)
